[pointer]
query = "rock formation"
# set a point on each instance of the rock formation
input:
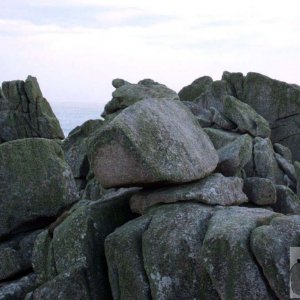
(192, 195)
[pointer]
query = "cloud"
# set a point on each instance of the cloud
(76, 47)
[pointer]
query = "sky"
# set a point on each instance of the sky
(76, 47)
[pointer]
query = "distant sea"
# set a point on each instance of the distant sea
(71, 115)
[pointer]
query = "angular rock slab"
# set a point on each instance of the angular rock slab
(157, 256)
(212, 190)
(287, 201)
(245, 117)
(195, 89)
(35, 183)
(15, 255)
(260, 191)
(287, 167)
(152, 142)
(25, 113)
(17, 289)
(283, 151)
(214, 96)
(235, 155)
(236, 82)
(265, 163)
(271, 247)
(78, 241)
(72, 284)
(219, 137)
(127, 94)
(227, 255)
(123, 251)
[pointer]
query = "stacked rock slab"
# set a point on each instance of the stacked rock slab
(152, 142)
(276, 101)
(219, 205)
(188, 250)
(36, 182)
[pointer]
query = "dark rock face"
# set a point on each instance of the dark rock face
(235, 155)
(163, 261)
(287, 201)
(15, 255)
(25, 113)
(160, 142)
(260, 191)
(78, 241)
(17, 289)
(279, 103)
(35, 181)
(72, 284)
(75, 148)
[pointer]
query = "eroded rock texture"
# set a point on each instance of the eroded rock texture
(220, 204)
(25, 113)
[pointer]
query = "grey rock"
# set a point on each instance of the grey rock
(205, 119)
(25, 113)
(219, 137)
(287, 167)
(265, 163)
(17, 289)
(197, 110)
(279, 103)
(157, 256)
(75, 147)
(93, 190)
(214, 96)
(287, 201)
(195, 89)
(15, 255)
(116, 83)
(123, 250)
(297, 170)
(152, 142)
(227, 255)
(35, 183)
(236, 82)
(245, 117)
(172, 253)
(212, 190)
(76, 239)
(127, 94)
(220, 121)
(260, 191)
(235, 155)
(271, 247)
(72, 284)
(283, 151)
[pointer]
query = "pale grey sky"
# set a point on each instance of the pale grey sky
(76, 47)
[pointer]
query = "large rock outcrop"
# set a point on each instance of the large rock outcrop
(25, 113)
(152, 142)
(202, 234)
(36, 184)
(278, 102)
